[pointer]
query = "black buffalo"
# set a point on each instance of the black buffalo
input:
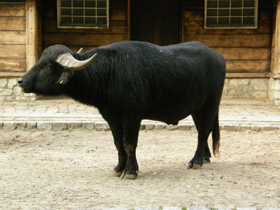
(130, 81)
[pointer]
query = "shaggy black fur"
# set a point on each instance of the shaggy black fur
(130, 81)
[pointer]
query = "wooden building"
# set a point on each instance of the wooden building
(246, 32)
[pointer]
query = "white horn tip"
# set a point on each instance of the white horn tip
(80, 50)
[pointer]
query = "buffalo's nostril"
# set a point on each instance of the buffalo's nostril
(20, 80)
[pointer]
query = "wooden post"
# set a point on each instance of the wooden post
(31, 33)
(128, 20)
(183, 22)
(276, 68)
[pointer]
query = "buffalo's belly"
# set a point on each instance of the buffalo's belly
(168, 116)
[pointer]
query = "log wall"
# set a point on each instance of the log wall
(247, 51)
(12, 37)
(86, 38)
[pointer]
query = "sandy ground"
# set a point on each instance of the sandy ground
(73, 170)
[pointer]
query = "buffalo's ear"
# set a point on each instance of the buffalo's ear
(65, 77)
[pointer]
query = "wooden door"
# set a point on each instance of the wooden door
(156, 21)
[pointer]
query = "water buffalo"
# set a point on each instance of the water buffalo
(130, 81)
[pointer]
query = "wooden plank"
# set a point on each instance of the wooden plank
(276, 55)
(248, 66)
(16, 65)
(85, 49)
(10, 11)
(232, 40)
(244, 53)
(120, 4)
(12, 51)
(49, 13)
(12, 23)
(12, 37)
(79, 40)
(194, 14)
(182, 32)
(273, 37)
(11, 74)
(265, 14)
(193, 4)
(119, 15)
(196, 27)
(40, 38)
(266, 3)
(128, 20)
(31, 33)
(248, 75)
(50, 26)
(272, 52)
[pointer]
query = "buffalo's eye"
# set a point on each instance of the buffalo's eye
(46, 68)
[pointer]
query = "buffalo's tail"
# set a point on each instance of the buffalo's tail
(216, 136)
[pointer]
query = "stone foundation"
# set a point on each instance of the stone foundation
(245, 88)
(234, 88)
(274, 90)
(10, 91)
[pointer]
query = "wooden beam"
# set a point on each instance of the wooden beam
(11, 74)
(182, 23)
(31, 33)
(128, 19)
(248, 75)
(276, 68)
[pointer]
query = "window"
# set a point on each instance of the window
(231, 13)
(82, 13)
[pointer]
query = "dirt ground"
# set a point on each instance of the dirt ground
(73, 170)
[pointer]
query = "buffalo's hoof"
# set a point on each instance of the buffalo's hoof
(194, 166)
(206, 161)
(117, 173)
(129, 175)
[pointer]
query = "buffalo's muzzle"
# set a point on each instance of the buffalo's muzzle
(20, 81)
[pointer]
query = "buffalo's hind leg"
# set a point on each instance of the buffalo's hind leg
(130, 139)
(204, 120)
(198, 159)
(207, 155)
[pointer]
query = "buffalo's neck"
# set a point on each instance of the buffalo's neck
(86, 87)
(80, 87)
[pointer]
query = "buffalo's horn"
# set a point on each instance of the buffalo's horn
(69, 62)
(80, 50)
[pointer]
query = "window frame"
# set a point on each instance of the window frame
(82, 26)
(232, 27)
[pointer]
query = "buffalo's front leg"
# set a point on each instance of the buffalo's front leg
(122, 161)
(117, 131)
(130, 138)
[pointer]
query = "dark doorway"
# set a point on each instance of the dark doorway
(156, 21)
